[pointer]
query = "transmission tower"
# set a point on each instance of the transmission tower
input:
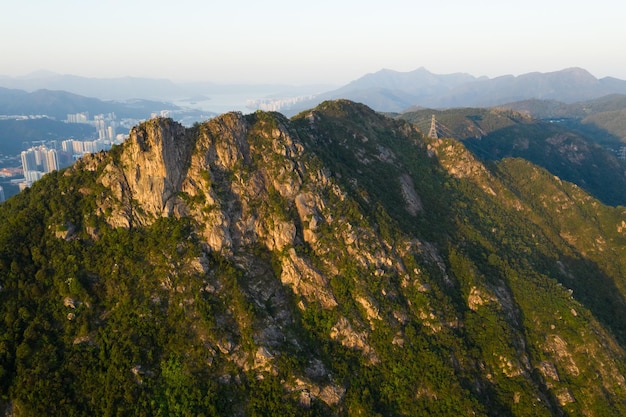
(432, 133)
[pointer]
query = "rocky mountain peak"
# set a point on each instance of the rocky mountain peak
(337, 263)
(148, 174)
(155, 162)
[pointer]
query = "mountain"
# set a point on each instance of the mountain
(213, 96)
(417, 82)
(391, 91)
(386, 90)
(414, 86)
(603, 118)
(58, 104)
(572, 149)
(336, 263)
(121, 88)
(568, 85)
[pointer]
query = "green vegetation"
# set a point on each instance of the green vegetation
(362, 270)
(574, 149)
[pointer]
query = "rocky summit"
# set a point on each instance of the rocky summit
(336, 263)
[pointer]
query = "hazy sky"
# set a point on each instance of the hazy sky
(320, 41)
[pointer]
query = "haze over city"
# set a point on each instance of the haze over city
(329, 42)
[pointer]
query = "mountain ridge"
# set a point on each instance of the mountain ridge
(385, 90)
(575, 144)
(335, 263)
(58, 104)
(119, 88)
(426, 89)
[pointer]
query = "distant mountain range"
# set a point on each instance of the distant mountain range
(385, 90)
(124, 88)
(58, 104)
(392, 91)
(103, 88)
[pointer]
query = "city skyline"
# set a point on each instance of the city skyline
(303, 43)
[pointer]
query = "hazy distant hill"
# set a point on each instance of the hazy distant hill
(58, 104)
(127, 88)
(104, 88)
(392, 91)
(412, 86)
(386, 90)
(569, 85)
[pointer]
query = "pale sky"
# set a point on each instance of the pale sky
(321, 41)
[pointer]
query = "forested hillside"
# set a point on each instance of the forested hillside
(572, 149)
(336, 263)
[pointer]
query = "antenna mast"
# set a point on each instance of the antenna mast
(432, 133)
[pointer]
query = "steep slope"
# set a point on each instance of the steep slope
(572, 153)
(338, 263)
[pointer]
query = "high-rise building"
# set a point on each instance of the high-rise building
(29, 162)
(111, 131)
(38, 156)
(100, 126)
(1, 194)
(68, 146)
(105, 126)
(51, 161)
(32, 176)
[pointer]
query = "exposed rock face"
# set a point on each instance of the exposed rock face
(236, 176)
(150, 172)
(559, 346)
(413, 201)
(347, 336)
(303, 270)
(477, 298)
(155, 164)
(306, 281)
